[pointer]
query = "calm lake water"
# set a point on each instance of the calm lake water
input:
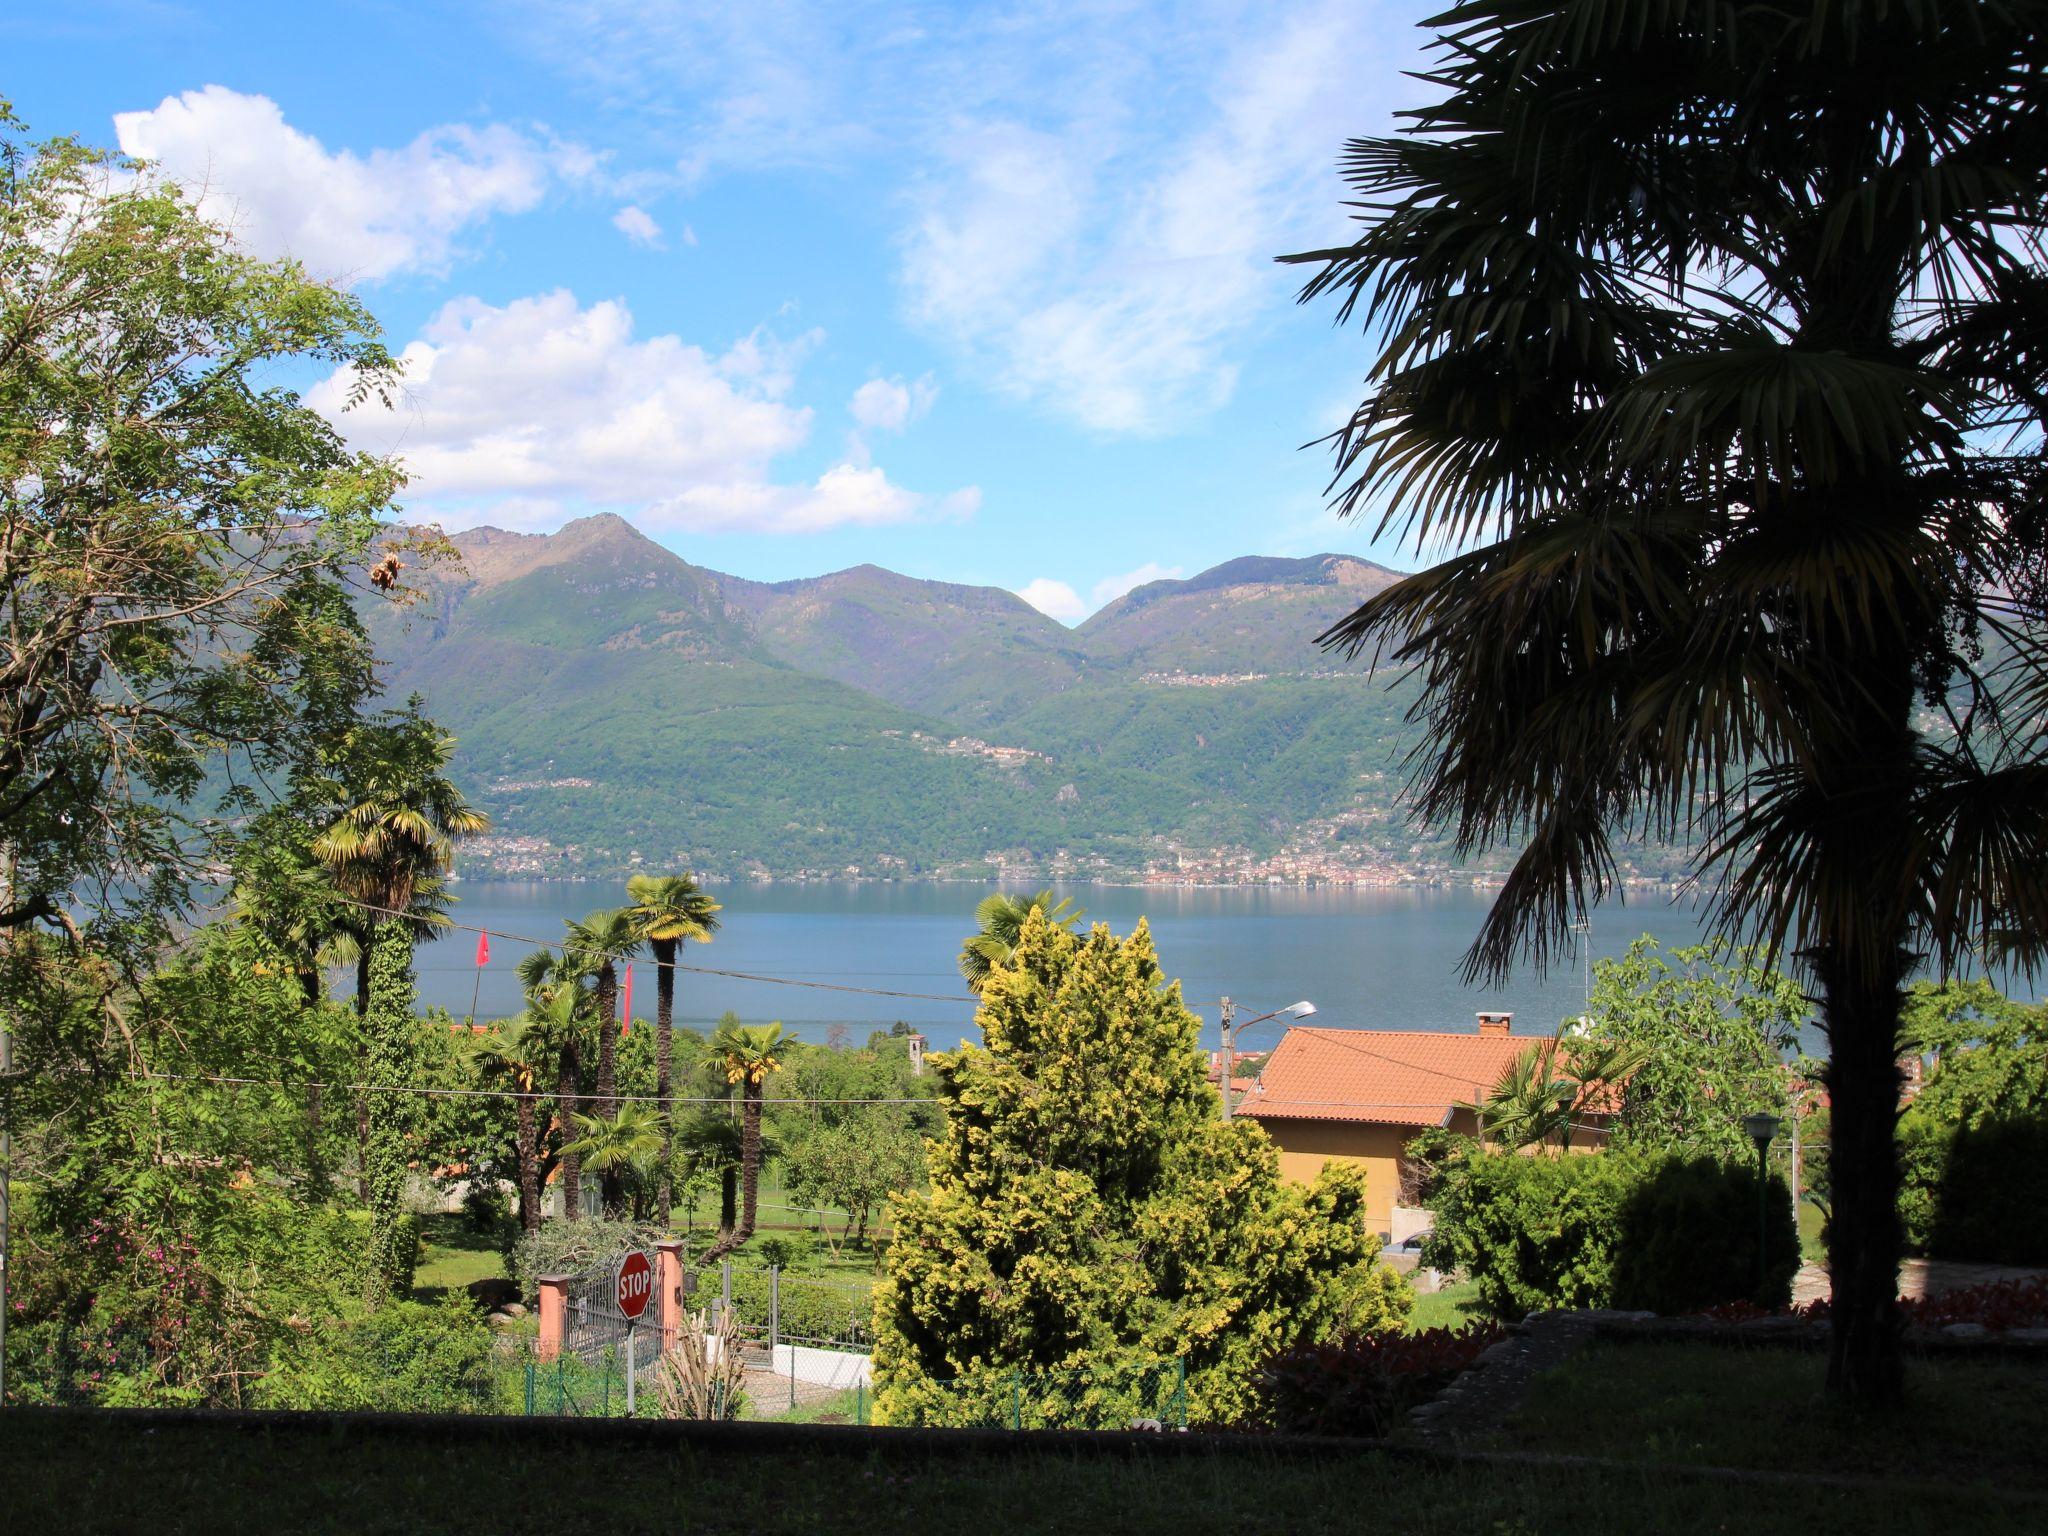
(1370, 959)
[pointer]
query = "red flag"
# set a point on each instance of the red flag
(483, 949)
(626, 1003)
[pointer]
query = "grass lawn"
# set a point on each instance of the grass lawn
(1450, 1307)
(452, 1253)
(107, 1475)
(1965, 1422)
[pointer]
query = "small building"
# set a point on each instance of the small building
(1360, 1095)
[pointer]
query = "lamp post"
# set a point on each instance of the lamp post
(1762, 1129)
(1228, 1011)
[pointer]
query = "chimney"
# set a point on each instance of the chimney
(916, 1042)
(1495, 1023)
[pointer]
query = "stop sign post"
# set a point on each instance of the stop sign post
(632, 1287)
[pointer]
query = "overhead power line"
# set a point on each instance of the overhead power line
(677, 965)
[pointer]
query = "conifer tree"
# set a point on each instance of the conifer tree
(1089, 1214)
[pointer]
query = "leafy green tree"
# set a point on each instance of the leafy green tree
(668, 911)
(181, 535)
(998, 921)
(712, 1143)
(1715, 1035)
(747, 1054)
(1707, 340)
(398, 831)
(1990, 1052)
(855, 1164)
(1089, 1213)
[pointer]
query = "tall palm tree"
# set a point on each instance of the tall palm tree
(598, 944)
(998, 921)
(746, 1054)
(518, 1052)
(557, 1006)
(1710, 342)
(628, 1142)
(394, 838)
(668, 911)
(713, 1140)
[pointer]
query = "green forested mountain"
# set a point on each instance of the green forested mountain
(616, 704)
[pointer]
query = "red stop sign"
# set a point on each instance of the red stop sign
(635, 1283)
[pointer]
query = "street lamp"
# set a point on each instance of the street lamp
(1300, 1010)
(1762, 1128)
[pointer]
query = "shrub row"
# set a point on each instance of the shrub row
(1660, 1233)
(1975, 1192)
(1365, 1385)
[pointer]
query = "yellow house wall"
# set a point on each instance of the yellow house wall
(1305, 1145)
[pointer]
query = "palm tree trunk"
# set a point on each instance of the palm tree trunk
(666, 953)
(607, 1041)
(528, 1153)
(728, 1198)
(750, 1158)
(566, 1103)
(1865, 1239)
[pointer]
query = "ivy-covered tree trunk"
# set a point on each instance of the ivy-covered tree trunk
(389, 1057)
(566, 1106)
(363, 945)
(666, 952)
(528, 1130)
(611, 1181)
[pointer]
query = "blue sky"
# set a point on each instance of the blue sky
(981, 293)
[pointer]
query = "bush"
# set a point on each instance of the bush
(1661, 1233)
(403, 1357)
(571, 1247)
(1688, 1238)
(1975, 1192)
(1531, 1232)
(809, 1307)
(1365, 1385)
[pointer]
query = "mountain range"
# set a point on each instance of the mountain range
(618, 707)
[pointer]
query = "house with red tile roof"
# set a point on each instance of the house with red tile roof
(1360, 1095)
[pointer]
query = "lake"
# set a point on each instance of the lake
(1368, 958)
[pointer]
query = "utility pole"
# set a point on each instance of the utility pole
(1228, 1013)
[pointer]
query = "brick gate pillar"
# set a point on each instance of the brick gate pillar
(668, 1276)
(554, 1314)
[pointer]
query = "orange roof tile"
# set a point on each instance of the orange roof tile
(1385, 1077)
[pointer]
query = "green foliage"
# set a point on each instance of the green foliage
(1656, 1232)
(1688, 1233)
(181, 534)
(1088, 1213)
(855, 1164)
(1713, 1035)
(1976, 1190)
(998, 920)
(1990, 1052)
(571, 1247)
(389, 1059)
(402, 1357)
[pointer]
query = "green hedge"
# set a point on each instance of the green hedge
(1975, 1192)
(1663, 1233)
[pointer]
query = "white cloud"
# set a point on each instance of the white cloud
(351, 218)
(638, 226)
(1094, 192)
(1110, 588)
(1054, 599)
(540, 409)
(890, 405)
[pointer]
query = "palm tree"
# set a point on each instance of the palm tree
(518, 1053)
(557, 1007)
(394, 839)
(1710, 343)
(1544, 1092)
(598, 943)
(713, 1140)
(998, 921)
(746, 1054)
(628, 1142)
(668, 911)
